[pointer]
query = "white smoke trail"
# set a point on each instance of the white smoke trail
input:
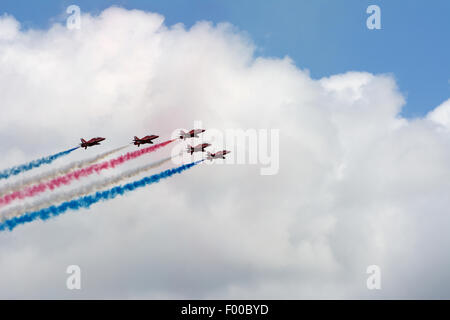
(84, 190)
(12, 187)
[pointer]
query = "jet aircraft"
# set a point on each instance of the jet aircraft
(144, 140)
(94, 141)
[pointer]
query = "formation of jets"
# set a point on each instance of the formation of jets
(201, 147)
(183, 136)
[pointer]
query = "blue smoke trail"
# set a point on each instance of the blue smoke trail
(5, 174)
(87, 201)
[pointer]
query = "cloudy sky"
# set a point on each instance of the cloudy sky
(363, 151)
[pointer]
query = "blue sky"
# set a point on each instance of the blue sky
(324, 36)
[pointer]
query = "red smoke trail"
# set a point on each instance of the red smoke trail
(83, 172)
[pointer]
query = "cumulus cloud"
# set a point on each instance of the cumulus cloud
(441, 114)
(357, 184)
(9, 27)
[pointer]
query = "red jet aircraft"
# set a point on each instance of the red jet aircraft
(144, 140)
(201, 147)
(218, 155)
(191, 134)
(94, 141)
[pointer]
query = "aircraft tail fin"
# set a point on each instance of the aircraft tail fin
(82, 140)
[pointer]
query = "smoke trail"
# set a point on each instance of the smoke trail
(5, 174)
(11, 187)
(83, 172)
(84, 190)
(89, 200)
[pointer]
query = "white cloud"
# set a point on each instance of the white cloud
(441, 114)
(358, 185)
(9, 27)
